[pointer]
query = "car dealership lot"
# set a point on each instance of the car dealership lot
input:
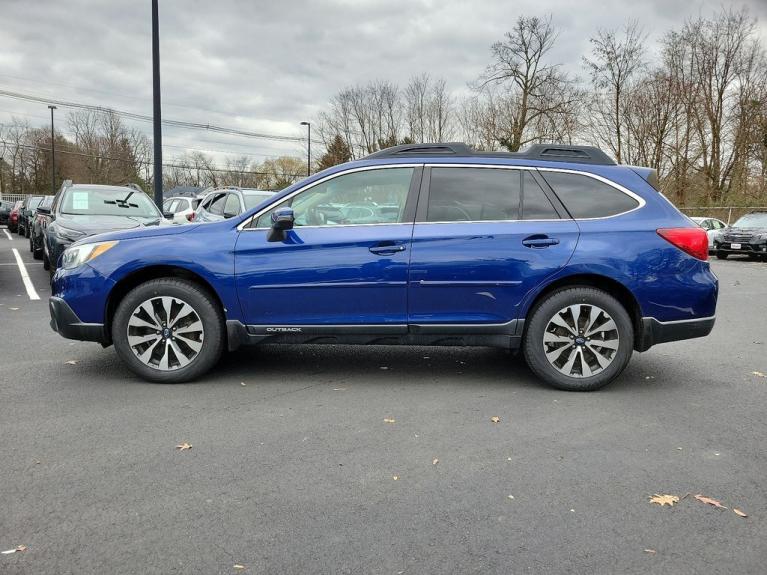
(294, 471)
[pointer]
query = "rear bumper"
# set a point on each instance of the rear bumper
(654, 331)
(65, 322)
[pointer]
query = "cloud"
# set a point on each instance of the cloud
(266, 66)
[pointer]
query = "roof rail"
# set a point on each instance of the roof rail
(543, 152)
(446, 149)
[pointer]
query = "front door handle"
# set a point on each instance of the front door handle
(386, 248)
(539, 241)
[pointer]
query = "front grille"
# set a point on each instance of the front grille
(738, 238)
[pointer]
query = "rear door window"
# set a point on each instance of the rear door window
(473, 194)
(535, 204)
(216, 205)
(232, 206)
(587, 197)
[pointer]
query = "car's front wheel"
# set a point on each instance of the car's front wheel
(578, 339)
(721, 255)
(169, 330)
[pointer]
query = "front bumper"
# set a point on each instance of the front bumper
(654, 331)
(65, 322)
(758, 247)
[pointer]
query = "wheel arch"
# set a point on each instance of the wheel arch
(140, 276)
(604, 283)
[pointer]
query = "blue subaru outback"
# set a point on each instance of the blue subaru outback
(555, 251)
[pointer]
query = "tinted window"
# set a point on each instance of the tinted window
(366, 197)
(232, 206)
(586, 197)
(181, 206)
(473, 194)
(216, 204)
(535, 204)
(107, 202)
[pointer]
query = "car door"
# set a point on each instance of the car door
(483, 238)
(331, 269)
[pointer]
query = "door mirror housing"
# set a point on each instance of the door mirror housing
(45, 211)
(283, 219)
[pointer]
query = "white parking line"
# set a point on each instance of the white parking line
(25, 276)
(10, 237)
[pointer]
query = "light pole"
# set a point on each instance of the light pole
(156, 111)
(53, 155)
(309, 147)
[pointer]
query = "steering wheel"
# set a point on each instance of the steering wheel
(315, 217)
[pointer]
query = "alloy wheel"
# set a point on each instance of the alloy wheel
(581, 340)
(165, 333)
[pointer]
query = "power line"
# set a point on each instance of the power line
(145, 118)
(147, 162)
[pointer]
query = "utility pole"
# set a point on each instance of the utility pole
(309, 148)
(156, 115)
(53, 154)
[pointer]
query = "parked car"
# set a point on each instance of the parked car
(83, 210)
(27, 210)
(13, 217)
(713, 227)
(747, 236)
(556, 251)
(178, 209)
(5, 211)
(225, 203)
(37, 228)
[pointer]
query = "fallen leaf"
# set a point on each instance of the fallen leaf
(738, 512)
(383, 367)
(339, 389)
(662, 500)
(435, 461)
(71, 362)
(510, 496)
(183, 446)
(495, 419)
(395, 477)
(389, 420)
(13, 308)
(239, 567)
(758, 374)
(242, 383)
(651, 551)
(709, 501)
(17, 549)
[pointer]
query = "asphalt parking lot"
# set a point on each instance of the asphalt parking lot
(293, 468)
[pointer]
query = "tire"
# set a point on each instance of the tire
(31, 246)
(46, 262)
(547, 321)
(37, 253)
(721, 255)
(167, 365)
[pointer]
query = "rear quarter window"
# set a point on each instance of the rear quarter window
(587, 197)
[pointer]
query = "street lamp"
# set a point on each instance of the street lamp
(309, 147)
(53, 155)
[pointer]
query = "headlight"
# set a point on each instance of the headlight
(78, 255)
(67, 234)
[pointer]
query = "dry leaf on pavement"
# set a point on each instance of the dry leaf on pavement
(389, 420)
(662, 500)
(239, 567)
(495, 419)
(13, 308)
(395, 477)
(71, 362)
(709, 501)
(738, 512)
(183, 446)
(758, 374)
(17, 549)
(435, 461)
(650, 551)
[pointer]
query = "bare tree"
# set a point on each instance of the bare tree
(533, 89)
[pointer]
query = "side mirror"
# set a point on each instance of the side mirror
(228, 215)
(45, 211)
(168, 215)
(282, 220)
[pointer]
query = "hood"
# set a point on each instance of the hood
(98, 224)
(134, 232)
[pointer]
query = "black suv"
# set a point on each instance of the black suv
(747, 236)
(27, 214)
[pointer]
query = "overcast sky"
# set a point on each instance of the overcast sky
(267, 65)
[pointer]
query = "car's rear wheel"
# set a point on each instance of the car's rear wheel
(169, 330)
(578, 339)
(46, 261)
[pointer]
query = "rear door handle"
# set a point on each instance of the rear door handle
(539, 242)
(386, 248)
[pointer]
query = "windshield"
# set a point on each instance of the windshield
(252, 199)
(108, 202)
(752, 221)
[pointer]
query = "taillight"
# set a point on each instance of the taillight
(693, 241)
(190, 216)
